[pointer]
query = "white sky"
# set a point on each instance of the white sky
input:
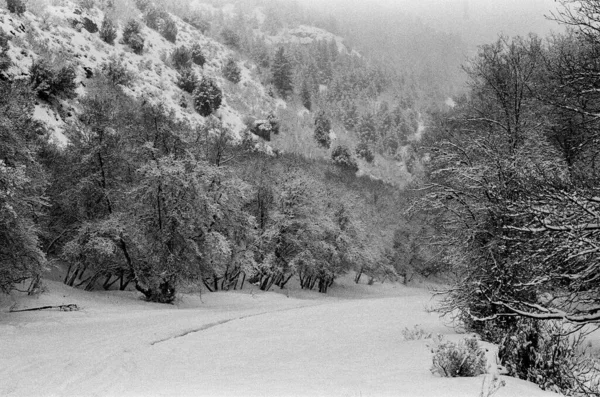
(479, 20)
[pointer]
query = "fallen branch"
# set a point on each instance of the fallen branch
(64, 308)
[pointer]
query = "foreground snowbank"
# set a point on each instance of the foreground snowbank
(227, 344)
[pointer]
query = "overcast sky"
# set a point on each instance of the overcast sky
(480, 21)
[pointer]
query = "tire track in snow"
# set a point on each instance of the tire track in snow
(217, 323)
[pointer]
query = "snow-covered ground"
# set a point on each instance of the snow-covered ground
(229, 344)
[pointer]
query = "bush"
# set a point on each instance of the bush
(143, 5)
(364, 152)
(462, 359)
(231, 71)
(116, 71)
(230, 38)
(169, 30)
(160, 20)
(264, 128)
(342, 157)
(153, 16)
(416, 333)
(48, 82)
(5, 61)
(89, 25)
(181, 58)
(108, 32)
(322, 130)
(550, 356)
(207, 97)
(16, 6)
(132, 36)
(198, 22)
(197, 55)
(187, 81)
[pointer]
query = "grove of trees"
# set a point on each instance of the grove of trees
(512, 185)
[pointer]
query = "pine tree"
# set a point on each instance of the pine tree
(322, 130)
(305, 96)
(281, 70)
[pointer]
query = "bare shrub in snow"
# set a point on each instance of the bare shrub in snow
(550, 355)
(207, 97)
(16, 6)
(462, 359)
(108, 31)
(416, 333)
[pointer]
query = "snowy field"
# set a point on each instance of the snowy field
(245, 343)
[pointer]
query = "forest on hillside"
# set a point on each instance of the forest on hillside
(141, 198)
(276, 146)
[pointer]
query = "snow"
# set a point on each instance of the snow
(246, 343)
(155, 80)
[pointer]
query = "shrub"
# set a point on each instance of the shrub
(143, 5)
(108, 32)
(197, 55)
(342, 157)
(136, 42)
(230, 38)
(207, 97)
(416, 333)
(16, 6)
(159, 19)
(89, 25)
(169, 30)
(462, 359)
(364, 152)
(116, 71)
(264, 128)
(181, 58)
(231, 71)
(187, 81)
(550, 356)
(153, 16)
(5, 61)
(198, 22)
(322, 130)
(132, 36)
(48, 82)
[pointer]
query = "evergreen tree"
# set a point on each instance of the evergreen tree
(207, 97)
(305, 96)
(231, 71)
(322, 130)
(281, 70)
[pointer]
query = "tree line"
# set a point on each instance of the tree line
(512, 184)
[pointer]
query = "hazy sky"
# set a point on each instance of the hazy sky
(480, 21)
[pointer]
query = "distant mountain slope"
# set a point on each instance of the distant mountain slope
(57, 35)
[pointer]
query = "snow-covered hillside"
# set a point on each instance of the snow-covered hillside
(231, 344)
(56, 33)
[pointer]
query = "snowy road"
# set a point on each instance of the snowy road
(229, 345)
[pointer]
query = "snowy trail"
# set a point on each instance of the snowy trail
(230, 345)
